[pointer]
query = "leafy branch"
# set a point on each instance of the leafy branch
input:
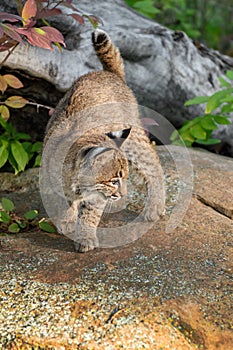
(219, 107)
(16, 29)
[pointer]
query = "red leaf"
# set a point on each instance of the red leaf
(35, 38)
(54, 35)
(68, 4)
(94, 20)
(48, 13)
(4, 16)
(29, 11)
(13, 81)
(77, 17)
(42, 37)
(6, 43)
(12, 32)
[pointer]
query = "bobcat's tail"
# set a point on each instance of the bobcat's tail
(109, 55)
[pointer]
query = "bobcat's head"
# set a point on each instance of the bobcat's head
(104, 168)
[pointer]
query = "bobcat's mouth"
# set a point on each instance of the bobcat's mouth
(115, 197)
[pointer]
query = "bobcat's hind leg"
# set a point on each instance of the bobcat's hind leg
(146, 163)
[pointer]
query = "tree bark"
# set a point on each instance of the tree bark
(164, 68)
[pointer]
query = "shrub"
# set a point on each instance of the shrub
(219, 107)
(10, 222)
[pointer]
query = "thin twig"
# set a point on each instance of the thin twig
(10, 51)
(38, 105)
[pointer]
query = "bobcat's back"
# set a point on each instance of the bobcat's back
(97, 88)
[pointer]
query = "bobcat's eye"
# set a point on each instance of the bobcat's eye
(115, 182)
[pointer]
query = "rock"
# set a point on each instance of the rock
(170, 290)
(164, 68)
(23, 190)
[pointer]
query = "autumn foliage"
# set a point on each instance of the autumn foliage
(15, 29)
(16, 150)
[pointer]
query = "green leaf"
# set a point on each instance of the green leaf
(3, 155)
(183, 143)
(37, 147)
(7, 204)
(27, 146)
(223, 82)
(14, 228)
(186, 136)
(208, 142)
(6, 126)
(22, 136)
(22, 224)
(190, 123)
(198, 132)
(146, 7)
(227, 99)
(228, 108)
(216, 100)
(5, 217)
(221, 119)
(13, 163)
(174, 135)
(45, 226)
(207, 123)
(31, 214)
(178, 143)
(37, 161)
(3, 234)
(229, 74)
(197, 100)
(19, 154)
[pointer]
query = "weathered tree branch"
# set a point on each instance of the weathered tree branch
(164, 68)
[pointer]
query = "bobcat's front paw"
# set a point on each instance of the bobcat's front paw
(86, 244)
(151, 214)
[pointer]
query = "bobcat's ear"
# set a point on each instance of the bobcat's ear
(119, 136)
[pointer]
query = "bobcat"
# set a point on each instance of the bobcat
(104, 112)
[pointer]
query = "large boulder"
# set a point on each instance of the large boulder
(164, 68)
(169, 289)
